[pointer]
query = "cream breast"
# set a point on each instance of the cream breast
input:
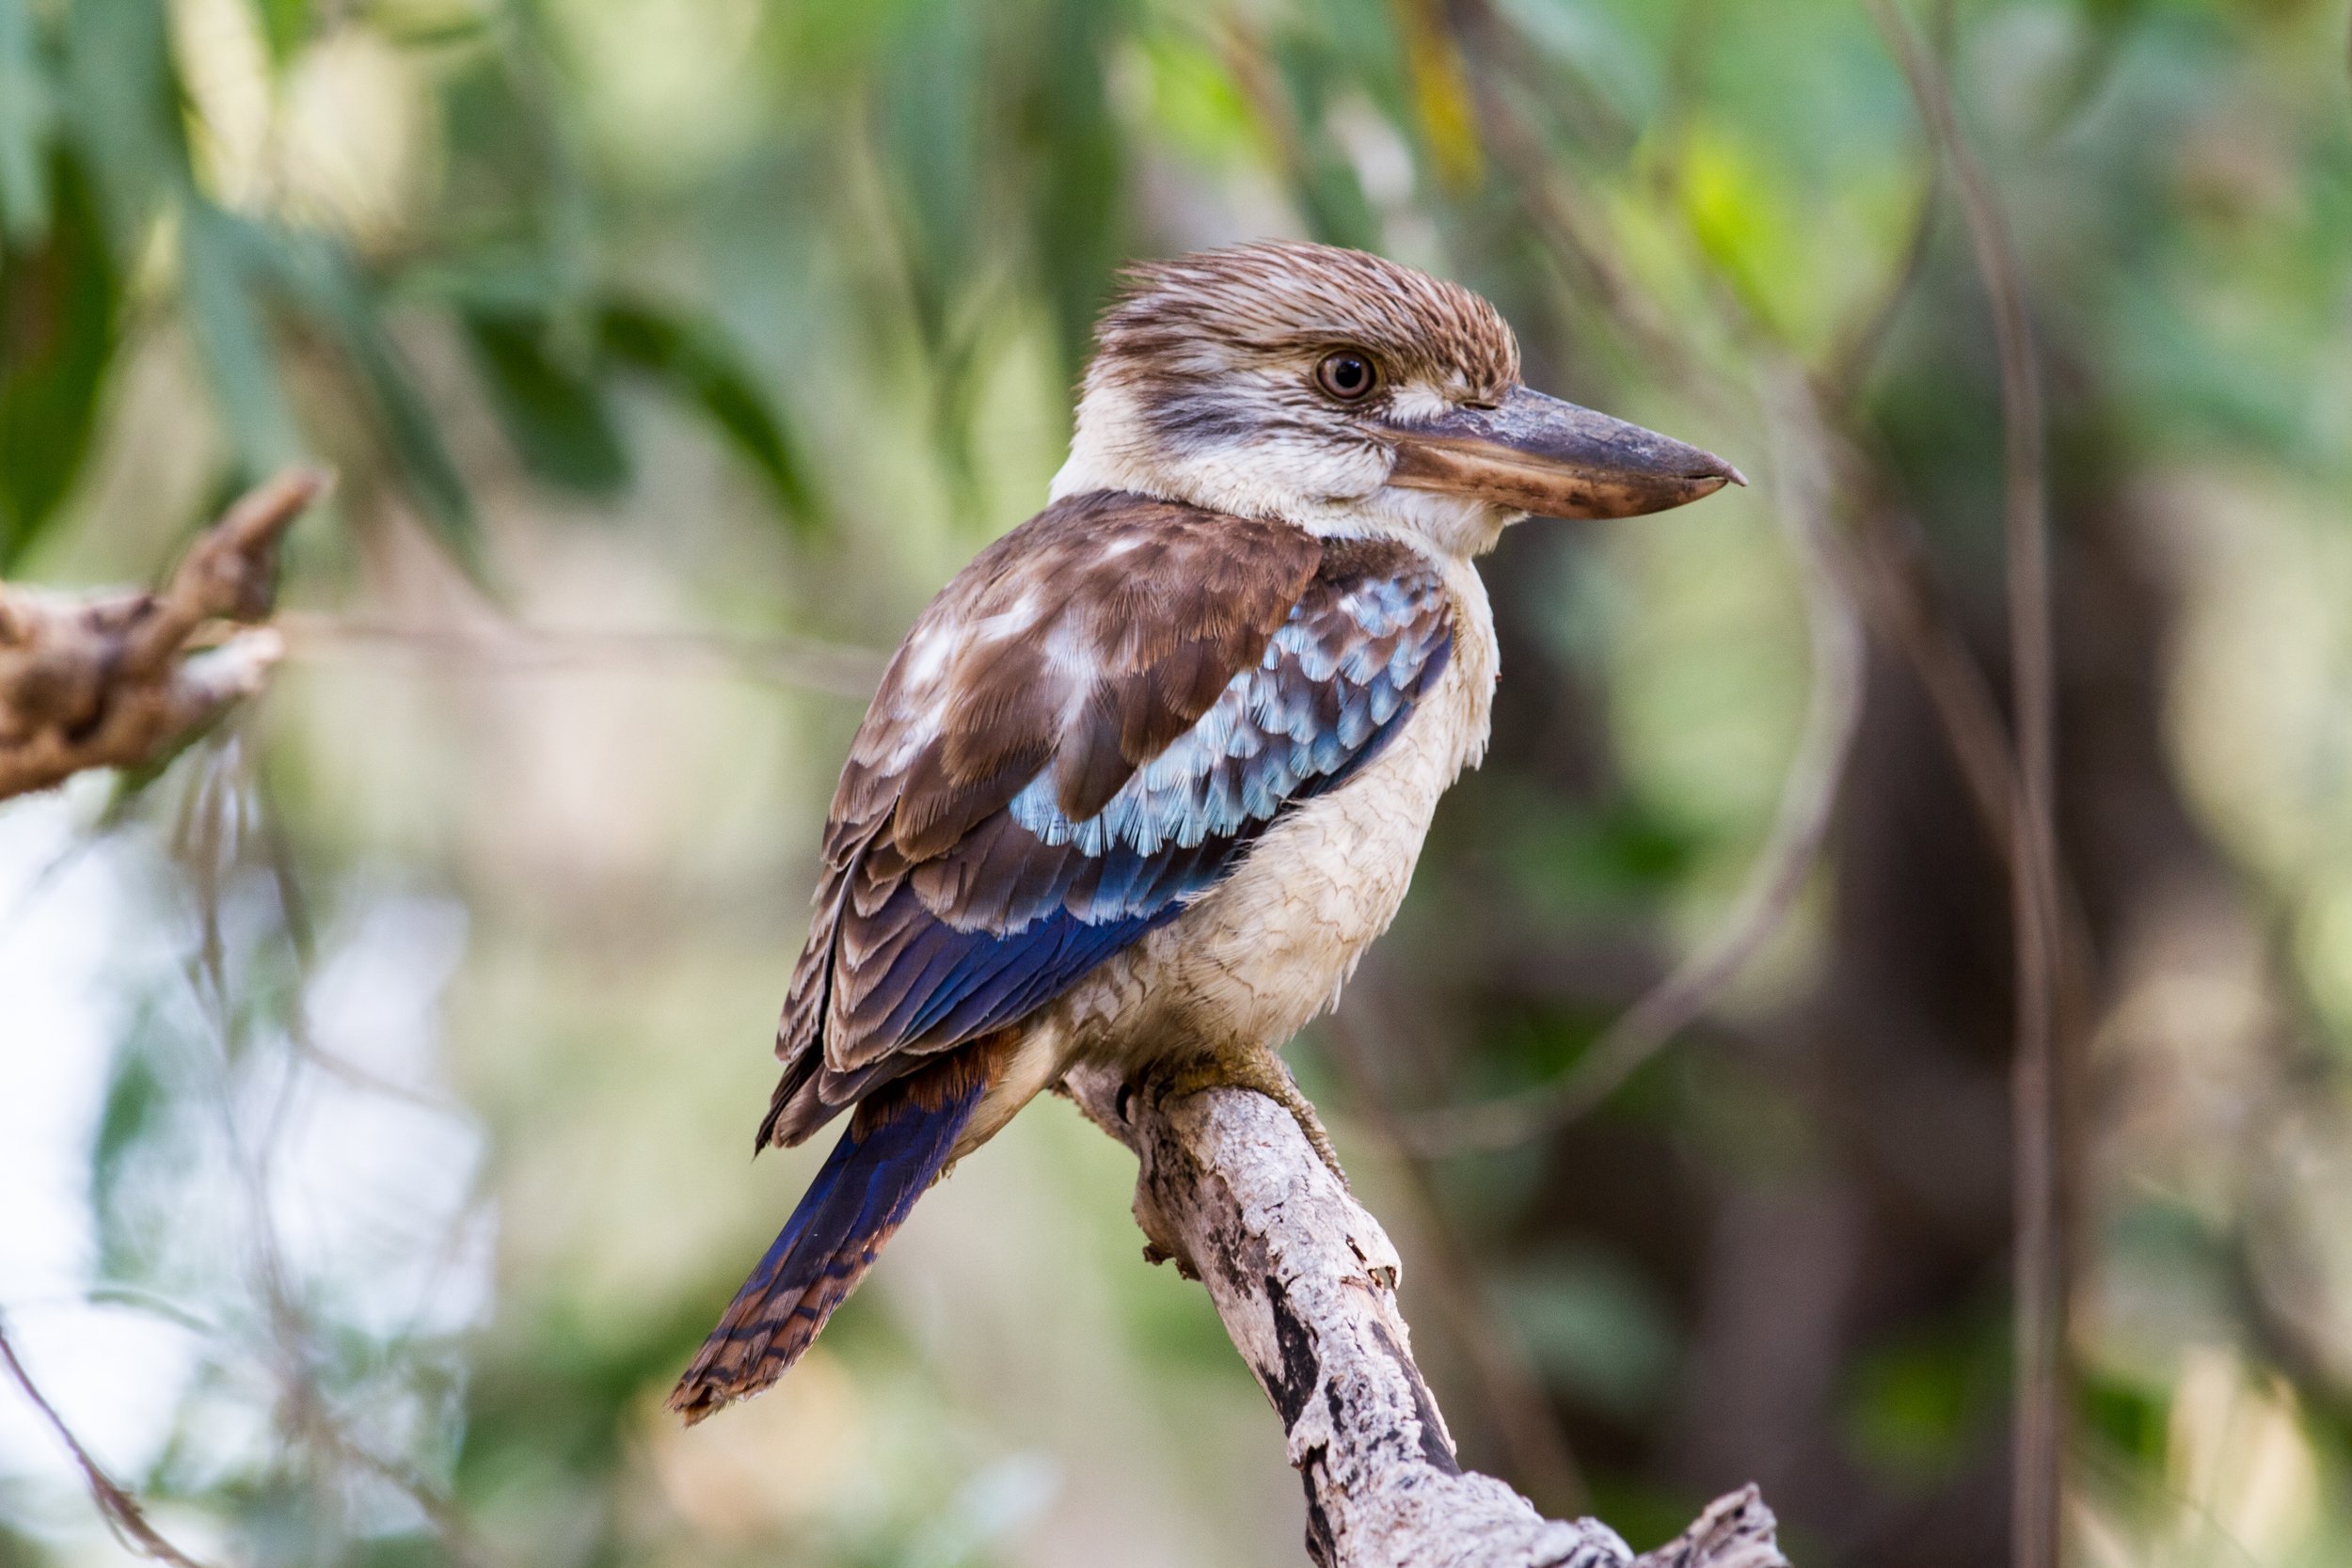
(1267, 949)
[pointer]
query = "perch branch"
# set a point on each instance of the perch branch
(1305, 1280)
(116, 680)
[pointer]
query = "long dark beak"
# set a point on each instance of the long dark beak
(1536, 454)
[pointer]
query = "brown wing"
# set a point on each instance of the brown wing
(1073, 650)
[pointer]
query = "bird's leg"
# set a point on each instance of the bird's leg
(1257, 1067)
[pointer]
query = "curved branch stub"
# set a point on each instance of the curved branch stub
(115, 680)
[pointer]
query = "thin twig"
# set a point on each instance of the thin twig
(125, 1518)
(1898, 593)
(507, 648)
(1902, 606)
(293, 910)
(2039, 1439)
(1560, 219)
(304, 1414)
(1850, 361)
(1800, 826)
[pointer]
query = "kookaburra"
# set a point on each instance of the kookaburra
(1150, 774)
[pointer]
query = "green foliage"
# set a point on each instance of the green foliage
(25, 111)
(695, 365)
(225, 270)
(121, 100)
(333, 296)
(854, 251)
(60, 301)
(1919, 1409)
(2126, 1418)
(95, 161)
(1076, 189)
(554, 412)
(285, 25)
(1599, 1332)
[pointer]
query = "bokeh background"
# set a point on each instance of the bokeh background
(378, 1082)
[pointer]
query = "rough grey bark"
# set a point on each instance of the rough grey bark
(1305, 1279)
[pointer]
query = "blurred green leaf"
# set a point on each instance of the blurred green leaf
(122, 102)
(1075, 211)
(135, 1095)
(319, 276)
(1324, 181)
(934, 140)
(1196, 107)
(1739, 214)
(24, 118)
(1913, 1409)
(1596, 1327)
(139, 1153)
(934, 144)
(223, 265)
(285, 25)
(58, 307)
(2131, 1417)
(698, 367)
(555, 415)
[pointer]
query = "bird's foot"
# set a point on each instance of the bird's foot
(1259, 1069)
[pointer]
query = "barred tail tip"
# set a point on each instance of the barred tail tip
(894, 1148)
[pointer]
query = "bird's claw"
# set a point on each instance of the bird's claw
(1260, 1071)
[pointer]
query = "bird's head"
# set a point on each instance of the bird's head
(1338, 391)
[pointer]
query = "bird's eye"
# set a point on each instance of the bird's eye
(1346, 374)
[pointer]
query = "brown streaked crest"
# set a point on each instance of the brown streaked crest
(1277, 299)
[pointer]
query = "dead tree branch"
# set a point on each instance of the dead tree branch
(1305, 1280)
(118, 680)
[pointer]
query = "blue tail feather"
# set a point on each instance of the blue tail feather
(894, 1148)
